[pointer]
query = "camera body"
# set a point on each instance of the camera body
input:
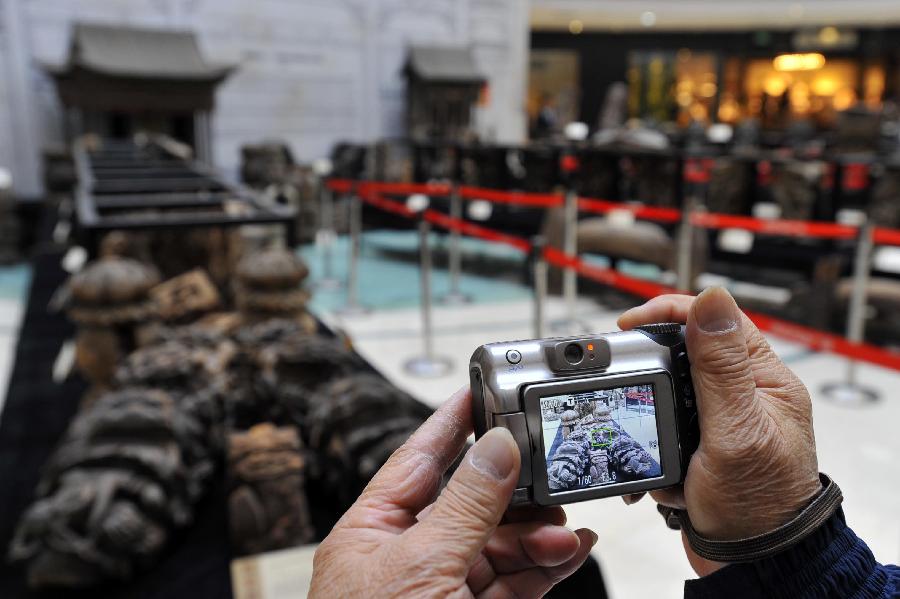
(594, 416)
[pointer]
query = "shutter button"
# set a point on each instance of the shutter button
(513, 356)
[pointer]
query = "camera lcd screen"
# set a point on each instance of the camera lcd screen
(601, 437)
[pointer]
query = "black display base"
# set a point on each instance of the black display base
(35, 416)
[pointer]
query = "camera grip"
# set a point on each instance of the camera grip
(671, 335)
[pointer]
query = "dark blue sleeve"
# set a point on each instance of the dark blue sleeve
(831, 563)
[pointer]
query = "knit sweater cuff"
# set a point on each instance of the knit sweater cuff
(831, 562)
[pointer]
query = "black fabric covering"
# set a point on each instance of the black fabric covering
(35, 416)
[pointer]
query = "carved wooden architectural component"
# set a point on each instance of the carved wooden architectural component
(267, 504)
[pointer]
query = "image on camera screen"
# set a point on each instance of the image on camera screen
(599, 438)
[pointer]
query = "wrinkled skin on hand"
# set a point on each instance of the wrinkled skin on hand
(756, 467)
(403, 539)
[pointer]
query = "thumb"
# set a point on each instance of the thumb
(473, 502)
(720, 363)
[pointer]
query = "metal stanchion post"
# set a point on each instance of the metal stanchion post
(850, 391)
(426, 365)
(570, 243)
(695, 176)
(539, 272)
(685, 256)
(454, 256)
(353, 306)
(325, 238)
(570, 323)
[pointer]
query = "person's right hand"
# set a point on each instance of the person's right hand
(755, 468)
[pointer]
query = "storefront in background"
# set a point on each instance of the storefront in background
(775, 77)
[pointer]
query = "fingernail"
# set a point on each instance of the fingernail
(632, 498)
(424, 513)
(715, 311)
(594, 538)
(493, 454)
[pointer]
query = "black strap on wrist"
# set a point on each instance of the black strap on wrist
(758, 547)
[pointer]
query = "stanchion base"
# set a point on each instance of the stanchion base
(329, 284)
(455, 299)
(849, 394)
(354, 310)
(426, 367)
(324, 237)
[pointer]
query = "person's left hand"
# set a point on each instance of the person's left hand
(395, 542)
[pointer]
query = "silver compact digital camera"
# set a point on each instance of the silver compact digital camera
(594, 416)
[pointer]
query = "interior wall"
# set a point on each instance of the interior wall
(309, 72)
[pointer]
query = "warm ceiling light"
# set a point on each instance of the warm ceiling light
(576, 26)
(774, 86)
(829, 35)
(708, 89)
(824, 86)
(799, 62)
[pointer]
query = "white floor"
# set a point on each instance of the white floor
(639, 555)
(10, 320)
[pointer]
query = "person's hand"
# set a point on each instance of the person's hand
(395, 542)
(755, 468)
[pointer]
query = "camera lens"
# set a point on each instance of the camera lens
(574, 354)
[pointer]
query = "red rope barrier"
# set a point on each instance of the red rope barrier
(809, 337)
(429, 189)
(472, 230)
(706, 220)
(821, 341)
(666, 215)
(387, 205)
(340, 185)
(786, 228)
(886, 236)
(521, 198)
(606, 276)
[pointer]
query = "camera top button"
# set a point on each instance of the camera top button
(513, 356)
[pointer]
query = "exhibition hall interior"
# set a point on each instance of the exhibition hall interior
(248, 248)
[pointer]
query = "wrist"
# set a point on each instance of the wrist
(765, 510)
(756, 547)
(832, 561)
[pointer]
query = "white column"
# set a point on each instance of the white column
(370, 60)
(515, 127)
(23, 136)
